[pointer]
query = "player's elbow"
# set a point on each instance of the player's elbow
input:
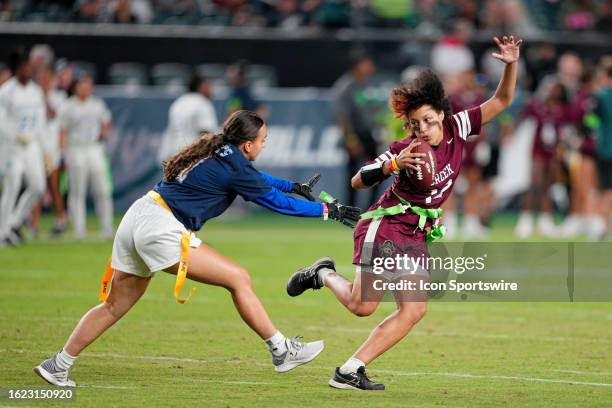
(503, 101)
(356, 182)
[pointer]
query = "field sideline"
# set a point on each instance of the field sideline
(201, 353)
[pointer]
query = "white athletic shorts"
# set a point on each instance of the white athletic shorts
(148, 239)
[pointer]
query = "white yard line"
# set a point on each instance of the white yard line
(206, 380)
(501, 336)
(476, 376)
(392, 372)
(604, 373)
(121, 356)
(111, 387)
(152, 358)
(492, 377)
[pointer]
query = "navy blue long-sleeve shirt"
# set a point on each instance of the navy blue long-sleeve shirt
(211, 185)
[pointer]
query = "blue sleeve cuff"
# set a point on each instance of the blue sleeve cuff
(284, 204)
(283, 185)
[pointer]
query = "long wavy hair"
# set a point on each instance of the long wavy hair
(425, 89)
(240, 127)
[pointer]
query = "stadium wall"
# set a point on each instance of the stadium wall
(302, 140)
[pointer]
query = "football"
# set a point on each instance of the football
(423, 177)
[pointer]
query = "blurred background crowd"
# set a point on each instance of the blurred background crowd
(548, 159)
(427, 16)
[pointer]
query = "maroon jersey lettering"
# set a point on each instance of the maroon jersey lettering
(448, 153)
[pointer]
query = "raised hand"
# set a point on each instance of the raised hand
(509, 49)
(305, 189)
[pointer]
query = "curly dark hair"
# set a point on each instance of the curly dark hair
(425, 89)
(240, 127)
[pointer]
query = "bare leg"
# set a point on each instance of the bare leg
(550, 175)
(472, 197)
(488, 200)
(58, 202)
(125, 291)
(208, 266)
(391, 330)
(349, 294)
(607, 208)
(450, 216)
(529, 199)
(35, 215)
(590, 195)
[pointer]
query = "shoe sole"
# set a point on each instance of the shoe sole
(48, 377)
(342, 386)
(283, 368)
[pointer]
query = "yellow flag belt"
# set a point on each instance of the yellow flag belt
(181, 274)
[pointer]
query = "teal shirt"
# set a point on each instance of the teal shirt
(604, 131)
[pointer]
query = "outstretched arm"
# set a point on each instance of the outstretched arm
(275, 200)
(284, 204)
(279, 183)
(509, 51)
(286, 186)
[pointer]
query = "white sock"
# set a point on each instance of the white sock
(64, 360)
(351, 366)
(324, 273)
(276, 344)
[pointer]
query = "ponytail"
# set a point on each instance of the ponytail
(240, 127)
(192, 154)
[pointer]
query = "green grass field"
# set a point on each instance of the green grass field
(202, 354)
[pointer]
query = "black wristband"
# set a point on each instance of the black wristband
(372, 173)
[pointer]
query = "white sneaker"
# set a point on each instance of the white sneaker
(472, 228)
(297, 354)
(450, 222)
(572, 226)
(51, 373)
(546, 226)
(524, 225)
(596, 228)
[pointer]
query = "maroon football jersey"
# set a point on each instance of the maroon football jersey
(448, 160)
(549, 123)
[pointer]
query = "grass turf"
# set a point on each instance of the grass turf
(202, 354)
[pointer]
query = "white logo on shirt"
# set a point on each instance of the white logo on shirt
(224, 150)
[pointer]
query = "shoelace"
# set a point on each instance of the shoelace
(295, 343)
(306, 276)
(61, 375)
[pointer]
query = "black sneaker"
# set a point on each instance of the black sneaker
(308, 277)
(58, 229)
(18, 235)
(354, 381)
(12, 239)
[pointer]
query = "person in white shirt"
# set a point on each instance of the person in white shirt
(54, 99)
(23, 121)
(189, 116)
(85, 124)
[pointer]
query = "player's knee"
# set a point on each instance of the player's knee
(414, 312)
(114, 308)
(362, 309)
(241, 279)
